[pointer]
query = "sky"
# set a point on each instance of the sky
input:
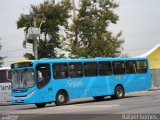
(139, 20)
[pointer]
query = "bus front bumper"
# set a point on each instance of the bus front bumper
(29, 99)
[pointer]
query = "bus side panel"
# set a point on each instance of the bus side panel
(111, 83)
(90, 87)
(95, 86)
(120, 80)
(142, 82)
(84, 87)
(129, 82)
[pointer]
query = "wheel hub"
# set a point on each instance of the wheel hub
(119, 92)
(61, 98)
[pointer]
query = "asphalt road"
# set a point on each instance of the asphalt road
(138, 103)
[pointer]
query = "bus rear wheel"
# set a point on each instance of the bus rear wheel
(99, 98)
(61, 98)
(40, 105)
(118, 92)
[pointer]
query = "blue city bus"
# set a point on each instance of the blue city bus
(59, 80)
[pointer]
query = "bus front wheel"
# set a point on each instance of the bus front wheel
(118, 92)
(40, 105)
(61, 98)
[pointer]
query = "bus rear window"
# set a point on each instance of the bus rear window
(142, 66)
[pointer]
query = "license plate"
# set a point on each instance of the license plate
(19, 101)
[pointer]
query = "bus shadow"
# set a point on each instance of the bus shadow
(34, 107)
(95, 101)
(79, 102)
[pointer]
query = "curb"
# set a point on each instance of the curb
(154, 89)
(142, 92)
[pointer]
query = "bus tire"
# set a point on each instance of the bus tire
(40, 105)
(118, 92)
(61, 98)
(99, 98)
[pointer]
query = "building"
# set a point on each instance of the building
(154, 61)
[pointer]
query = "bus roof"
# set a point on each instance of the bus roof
(21, 61)
(84, 59)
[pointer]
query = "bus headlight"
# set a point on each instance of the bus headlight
(31, 93)
(12, 97)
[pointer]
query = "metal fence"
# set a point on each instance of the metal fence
(155, 76)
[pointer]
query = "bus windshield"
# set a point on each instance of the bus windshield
(22, 78)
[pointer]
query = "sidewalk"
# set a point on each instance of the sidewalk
(144, 92)
(154, 88)
(5, 102)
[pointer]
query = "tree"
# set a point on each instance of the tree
(55, 17)
(89, 36)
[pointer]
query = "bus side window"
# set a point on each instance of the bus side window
(90, 69)
(118, 67)
(60, 70)
(75, 70)
(131, 67)
(105, 68)
(142, 66)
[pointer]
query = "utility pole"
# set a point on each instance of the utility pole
(34, 32)
(74, 10)
(35, 41)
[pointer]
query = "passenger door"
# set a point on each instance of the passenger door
(43, 76)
